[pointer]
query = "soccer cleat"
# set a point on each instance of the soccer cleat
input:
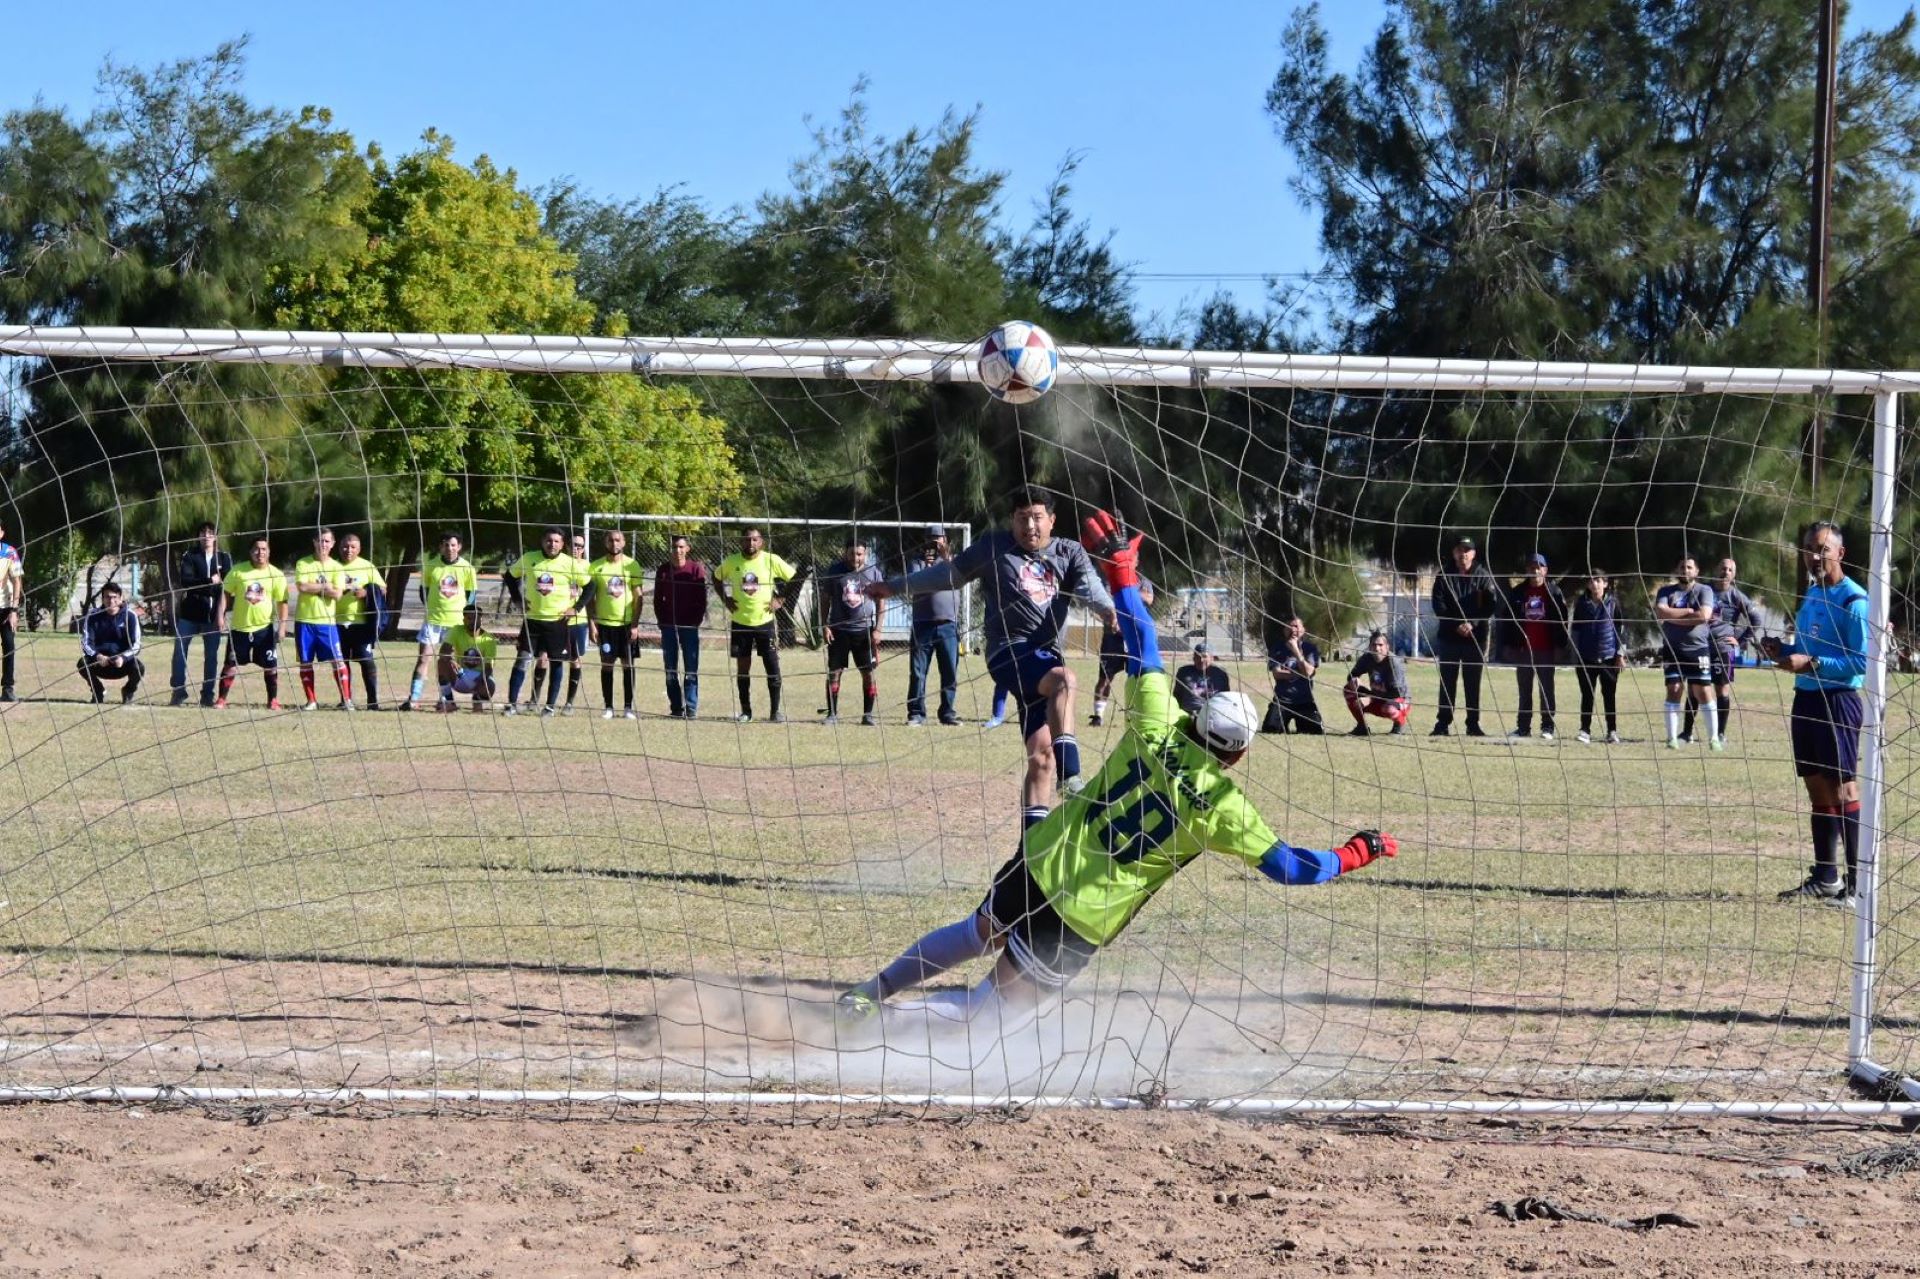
(952, 721)
(1583, 737)
(1358, 730)
(311, 706)
(629, 713)
(1094, 719)
(830, 719)
(1717, 744)
(916, 721)
(1517, 734)
(567, 709)
(482, 708)
(445, 706)
(993, 723)
(546, 712)
(1546, 734)
(1072, 786)
(1685, 739)
(219, 703)
(1398, 730)
(179, 698)
(6, 695)
(1673, 743)
(778, 717)
(98, 699)
(511, 709)
(607, 713)
(1814, 890)
(868, 721)
(744, 717)
(344, 706)
(1474, 730)
(1613, 739)
(273, 704)
(405, 706)
(1440, 730)
(126, 697)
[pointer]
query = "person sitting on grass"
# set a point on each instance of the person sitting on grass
(1085, 870)
(1386, 693)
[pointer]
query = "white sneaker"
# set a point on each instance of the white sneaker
(1718, 744)
(546, 712)
(607, 713)
(1673, 743)
(1583, 738)
(1613, 739)
(1546, 736)
(511, 709)
(630, 714)
(311, 706)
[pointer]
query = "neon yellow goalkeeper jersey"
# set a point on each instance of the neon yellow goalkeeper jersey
(549, 584)
(448, 587)
(315, 607)
(616, 590)
(1158, 802)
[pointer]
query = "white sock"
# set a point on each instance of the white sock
(1100, 707)
(1710, 711)
(1673, 720)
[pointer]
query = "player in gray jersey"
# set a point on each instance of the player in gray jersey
(1029, 576)
(1684, 608)
(1733, 625)
(853, 625)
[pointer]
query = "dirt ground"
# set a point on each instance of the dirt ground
(137, 1191)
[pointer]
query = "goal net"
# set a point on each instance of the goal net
(1583, 917)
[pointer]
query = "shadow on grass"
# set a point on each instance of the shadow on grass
(1468, 886)
(697, 878)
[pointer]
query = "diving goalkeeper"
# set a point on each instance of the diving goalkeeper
(1086, 870)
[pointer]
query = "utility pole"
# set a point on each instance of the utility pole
(1819, 252)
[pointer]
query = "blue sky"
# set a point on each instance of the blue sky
(1165, 103)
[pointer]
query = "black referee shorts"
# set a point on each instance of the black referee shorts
(546, 639)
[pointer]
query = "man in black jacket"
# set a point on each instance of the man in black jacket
(197, 580)
(110, 646)
(1464, 599)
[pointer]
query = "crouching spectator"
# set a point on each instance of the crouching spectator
(1385, 692)
(1198, 680)
(110, 646)
(1294, 708)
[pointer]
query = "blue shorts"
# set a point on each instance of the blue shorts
(581, 645)
(1694, 668)
(1826, 732)
(1019, 670)
(316, 642)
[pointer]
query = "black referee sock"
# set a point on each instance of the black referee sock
(833, 695)
(626, 685)
(606, 686)
(869, 694)
(1726, 715)
(1827, 829)
(1687, 731)
(746, 694)
(370, 680)
(573, 682)
(773, 696)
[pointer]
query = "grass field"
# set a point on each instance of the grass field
(319, 897)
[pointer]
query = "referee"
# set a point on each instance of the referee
(1828, 659)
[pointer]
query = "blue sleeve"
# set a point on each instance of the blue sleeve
(1137, 632)
(1285, 864)
(1851, 662)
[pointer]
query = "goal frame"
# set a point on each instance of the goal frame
(890, 360)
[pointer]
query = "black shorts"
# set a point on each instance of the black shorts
(1113, 655)
(1043, 947)
(1826, 732)
(358, 640)
(743, 640)
(1694, 668)
(854, 645)
(254, 648)
(617, 643)
(550, 640)
(1722, 664)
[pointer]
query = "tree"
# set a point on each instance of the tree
(1592, 180)
(451, 248)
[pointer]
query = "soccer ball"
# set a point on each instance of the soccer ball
(1017, 362)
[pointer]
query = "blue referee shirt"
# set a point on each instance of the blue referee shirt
(1831, 628)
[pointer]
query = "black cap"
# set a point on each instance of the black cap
(1464, 544)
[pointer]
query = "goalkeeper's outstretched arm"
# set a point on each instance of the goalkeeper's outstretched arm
(1118, 558)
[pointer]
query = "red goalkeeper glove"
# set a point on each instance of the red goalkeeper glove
(1367, 846)
(1117, 555)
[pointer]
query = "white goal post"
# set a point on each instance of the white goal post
(1127, 369)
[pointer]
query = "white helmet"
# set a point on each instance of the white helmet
(1226, 722)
